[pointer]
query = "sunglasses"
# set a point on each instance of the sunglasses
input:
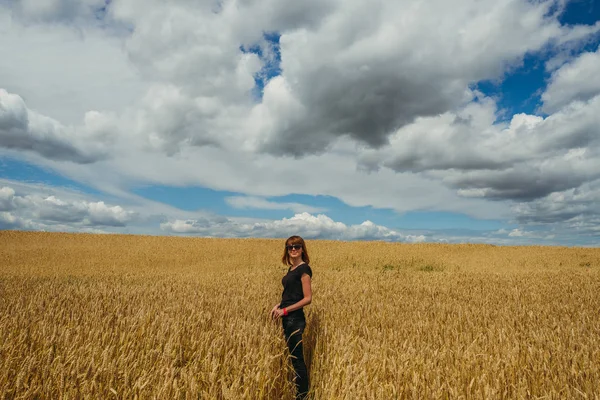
(293, 247)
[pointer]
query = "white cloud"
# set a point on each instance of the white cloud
(24, 129)
(574, 81)
(349, 69)
(41, 211)
(7, 196)
(516, 233)
(527, 158)
(304, 224)
(575, 211)
(370, 69)
(263, 204)
(522, 234)
(42, 207)
(63, 69)
(56, 10)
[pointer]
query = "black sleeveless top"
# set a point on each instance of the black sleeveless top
(292, 287)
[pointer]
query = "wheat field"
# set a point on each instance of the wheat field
(143, 317)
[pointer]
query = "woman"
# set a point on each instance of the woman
(297, 294)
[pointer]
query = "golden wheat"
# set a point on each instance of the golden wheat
(117, 316)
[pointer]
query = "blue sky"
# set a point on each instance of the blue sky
(308, 121)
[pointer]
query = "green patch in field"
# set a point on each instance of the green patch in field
(412, 264)
(427, 268)
(389, 267)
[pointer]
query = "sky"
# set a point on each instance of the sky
(471, 121)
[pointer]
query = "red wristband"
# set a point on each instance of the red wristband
(285, 311)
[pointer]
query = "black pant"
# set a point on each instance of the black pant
(293, 328)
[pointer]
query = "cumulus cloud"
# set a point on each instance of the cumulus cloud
(7, 196)
(69, 67)
(371, 69)
(503, 237)
(57, 10)
(348, 69)
(574, 81)
(27, 206)
(41, 207)
(576, 209)
(520, 233)
(304, 224)
(570, 215)
(168, 119)
(39, 211)
(10, 221)
(527, 158)
(24, 129)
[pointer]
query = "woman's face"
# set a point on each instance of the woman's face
(294, 250)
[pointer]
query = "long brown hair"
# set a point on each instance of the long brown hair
(294, 240)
